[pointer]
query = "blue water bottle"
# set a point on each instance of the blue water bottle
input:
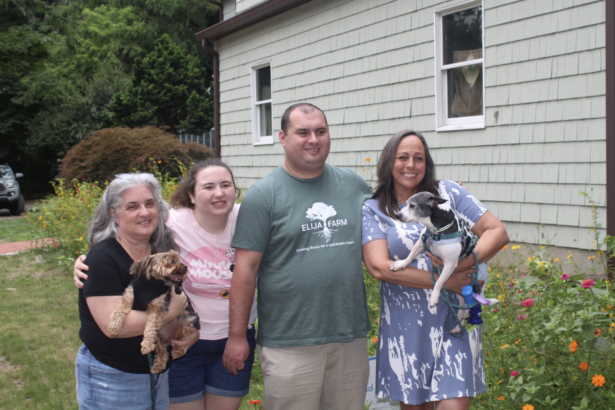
(475, 313)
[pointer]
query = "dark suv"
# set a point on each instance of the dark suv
(10, 193)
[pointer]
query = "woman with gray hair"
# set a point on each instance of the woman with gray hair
(128, 225)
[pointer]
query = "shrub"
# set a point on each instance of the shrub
(116, 150)
(66, 215)
(550, 342)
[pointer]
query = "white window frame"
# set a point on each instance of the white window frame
(258, 139)
(443, 123)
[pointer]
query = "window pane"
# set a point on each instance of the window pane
(465, 91)
(263, 78)
(462, 36)
(264, 112)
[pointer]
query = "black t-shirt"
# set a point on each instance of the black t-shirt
(109, 275)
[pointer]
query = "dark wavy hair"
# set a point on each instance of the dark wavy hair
(181, 197)
(385, 191)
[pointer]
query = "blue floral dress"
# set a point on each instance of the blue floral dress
(418, 359)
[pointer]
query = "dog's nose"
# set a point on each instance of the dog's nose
(183, 268)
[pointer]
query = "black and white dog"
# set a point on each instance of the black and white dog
(424, 208)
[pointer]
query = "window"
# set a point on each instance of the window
(262, 118)
(460, 89)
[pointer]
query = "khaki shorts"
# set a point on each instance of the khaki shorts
(332, 376)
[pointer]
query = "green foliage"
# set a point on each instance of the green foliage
(61, 63)
(116, 150)
(166, 84)
(558, 342)
(65, 215)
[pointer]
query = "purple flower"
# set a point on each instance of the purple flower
(565, 276)
(588, 283)
(521, 317)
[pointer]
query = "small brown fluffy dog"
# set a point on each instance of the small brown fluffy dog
(155, 278)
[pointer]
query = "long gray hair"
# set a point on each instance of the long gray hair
(103, 226)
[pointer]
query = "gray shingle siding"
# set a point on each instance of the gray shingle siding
(369, 64)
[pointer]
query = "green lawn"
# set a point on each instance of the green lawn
(17, 229)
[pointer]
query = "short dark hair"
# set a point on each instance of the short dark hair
(181, 197)
(385, 191)
(305, 108)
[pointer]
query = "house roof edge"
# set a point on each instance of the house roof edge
(248, 18)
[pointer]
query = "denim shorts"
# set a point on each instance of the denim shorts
(102, 387)
(200, 371)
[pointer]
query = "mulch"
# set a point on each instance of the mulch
(12, 248)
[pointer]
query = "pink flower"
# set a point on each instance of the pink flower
(518, 291)
(495, 310)
(565, 276)
(514, 373)
(588, 283)
(528, 302)
(510, 285)
(521, 317)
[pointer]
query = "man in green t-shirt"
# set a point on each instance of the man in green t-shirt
(299, 231)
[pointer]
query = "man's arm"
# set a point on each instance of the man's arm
(243, 285)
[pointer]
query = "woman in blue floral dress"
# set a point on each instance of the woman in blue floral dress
(419, 361)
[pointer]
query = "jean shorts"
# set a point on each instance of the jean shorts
(101, 387)
(200, 371)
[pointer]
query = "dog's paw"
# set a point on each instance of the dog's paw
(398, 265)
(147, 347)
(434, 300)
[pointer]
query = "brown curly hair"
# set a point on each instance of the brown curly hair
(181, 197)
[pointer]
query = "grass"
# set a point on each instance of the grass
(39, 333)
(17, 230)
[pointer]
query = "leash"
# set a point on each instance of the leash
(435, 236)
(152, 383)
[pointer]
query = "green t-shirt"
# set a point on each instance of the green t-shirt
(310, 281)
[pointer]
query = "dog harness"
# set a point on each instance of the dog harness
(431, 239)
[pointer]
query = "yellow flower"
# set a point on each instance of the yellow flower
(515, 247)
(368, 159)
(591, 257)
(501, 398)
(528, 407)
(569, 256)
(555, 260)
(542, 247)
(160, 162)
(517, 342)
(500, 382)
(504, 347)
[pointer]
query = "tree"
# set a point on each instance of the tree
(169, 88)
(322, 211)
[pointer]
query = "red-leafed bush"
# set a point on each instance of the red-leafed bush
(117, 150)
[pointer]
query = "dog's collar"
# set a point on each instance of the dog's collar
(443, 228)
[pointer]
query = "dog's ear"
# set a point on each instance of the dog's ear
(143, 267)
(436, 200)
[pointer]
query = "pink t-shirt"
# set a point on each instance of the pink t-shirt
(209, 258)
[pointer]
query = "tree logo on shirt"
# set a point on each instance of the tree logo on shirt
(322, 212)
